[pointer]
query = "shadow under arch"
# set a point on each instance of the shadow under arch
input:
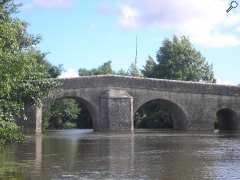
(227, 119)
(177, 113)
(80, 100)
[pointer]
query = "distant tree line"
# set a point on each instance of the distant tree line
(106, 68)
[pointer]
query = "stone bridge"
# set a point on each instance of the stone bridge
(112, 102)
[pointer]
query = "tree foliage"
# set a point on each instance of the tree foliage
(122, 72)
(149, 68)
(52, 70)
(67, 113)
(10, 133)
(105, 68)
(177, 59)
(19, 67)
(133, 71)
(63, 113)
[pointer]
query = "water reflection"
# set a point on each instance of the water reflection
(77, 154)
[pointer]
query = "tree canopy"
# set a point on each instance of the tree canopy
(63, 112)
(52, 70)
(133, 71)
(106, 68)
(149, 68)
(177, 59)
(19, 68)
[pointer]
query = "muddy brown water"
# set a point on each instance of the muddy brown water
(83, 154)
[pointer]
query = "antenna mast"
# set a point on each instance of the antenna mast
(136, 57)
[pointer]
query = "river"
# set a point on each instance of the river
(83, 154)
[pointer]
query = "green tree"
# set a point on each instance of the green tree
(67, 113)
(178, 59)
(84, 72)
(133, 71)
(122, 72)
(52, 70)
(105, 68)
(63, 114)
(19, 68)
(149, 68)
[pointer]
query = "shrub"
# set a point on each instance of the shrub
(10, 133)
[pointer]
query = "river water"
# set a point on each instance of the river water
(83, 154)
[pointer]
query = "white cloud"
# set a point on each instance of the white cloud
(69, 73)
(232, 20)
(129, 16)
(204, 21)
(214, 39)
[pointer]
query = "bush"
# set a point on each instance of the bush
(10, 133)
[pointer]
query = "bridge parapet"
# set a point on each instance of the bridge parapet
(113, 81)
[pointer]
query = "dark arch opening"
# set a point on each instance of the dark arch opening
(160, 114)
(226, 120)
(68, 113)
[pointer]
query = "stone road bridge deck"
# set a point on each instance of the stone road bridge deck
(112, 102)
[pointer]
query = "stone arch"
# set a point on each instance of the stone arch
(82, 100)
(180, 120)
(227, 119)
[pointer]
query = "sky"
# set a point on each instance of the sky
(87, 33)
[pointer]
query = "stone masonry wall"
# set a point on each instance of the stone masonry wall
(150, 84)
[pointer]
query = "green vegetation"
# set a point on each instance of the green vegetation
(52, 71)
(133, 71)
(152, 116)
(106, 68)
(67, 114)
(10, 132)
(178, 60)
(20, 65)
(62, 114)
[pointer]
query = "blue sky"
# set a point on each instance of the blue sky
(86, 33)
